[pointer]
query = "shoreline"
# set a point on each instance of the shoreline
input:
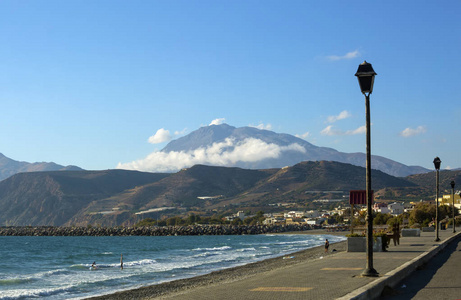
(181, 286)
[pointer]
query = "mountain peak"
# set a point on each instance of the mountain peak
(253, 148)
(9, 167)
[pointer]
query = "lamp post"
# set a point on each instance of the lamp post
(437, 162)
(366, 76)
(453, 199)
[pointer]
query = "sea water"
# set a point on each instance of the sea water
(60, 267)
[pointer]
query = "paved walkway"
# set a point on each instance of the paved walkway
(440, 279)
(334, 276)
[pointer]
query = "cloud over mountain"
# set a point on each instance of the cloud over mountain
(160, 136)
(252, 148)
(228, 152)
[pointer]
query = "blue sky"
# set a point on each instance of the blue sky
(98, 83)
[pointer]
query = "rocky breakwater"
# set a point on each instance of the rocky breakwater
(150, 231)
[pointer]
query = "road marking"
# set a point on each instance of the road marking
(281, 289)
(341, 269)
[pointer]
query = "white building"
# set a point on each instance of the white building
(319, 221)
(240, 215)
(396, 208)
(273, 220)
(294, 214)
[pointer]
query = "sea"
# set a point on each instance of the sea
(60, 267)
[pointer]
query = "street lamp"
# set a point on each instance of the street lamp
(366, 76)
(453, 199)
(437, 162)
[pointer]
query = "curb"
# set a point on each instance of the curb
(374, 289)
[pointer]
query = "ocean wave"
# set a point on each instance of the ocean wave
(205, 254)
(246, 249)
(213, 249)
(141, 262)
(25, 294)
(15, 281)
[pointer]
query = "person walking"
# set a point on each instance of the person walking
(327, 244)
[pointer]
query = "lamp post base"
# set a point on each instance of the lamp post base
(370, 273)
(437, 240)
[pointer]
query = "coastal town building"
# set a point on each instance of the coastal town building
(298, 221)
(380, 207)
(239, 215)
(448, 200)
(294, 214)
(274, 220)
(396, 208)
(312, 214)
(318, 221)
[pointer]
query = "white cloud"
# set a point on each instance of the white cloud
(262, 126)
(304, 135)
(407, 132)
(160, 136)
(349, 55)
(184, 131)
(360, 130)
(329, 130)
(342, 115)
(226, 153)
(218, 121)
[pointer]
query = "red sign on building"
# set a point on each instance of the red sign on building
(359, 197)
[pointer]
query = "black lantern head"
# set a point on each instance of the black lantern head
(437, 162)
(452, 184)
(366, 76)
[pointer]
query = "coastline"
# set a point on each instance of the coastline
(180, 286)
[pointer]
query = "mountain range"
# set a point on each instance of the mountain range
(225, 145)
(116, 197)
(10, 167)
(271, 150)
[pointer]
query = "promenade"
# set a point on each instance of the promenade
(333, 276)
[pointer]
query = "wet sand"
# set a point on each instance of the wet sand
(163, 290)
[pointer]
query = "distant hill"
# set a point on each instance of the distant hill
(295, 150)
(52, 198)
(115, 197)
(425, 186)
(9, 167)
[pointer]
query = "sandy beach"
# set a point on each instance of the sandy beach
(164, 290)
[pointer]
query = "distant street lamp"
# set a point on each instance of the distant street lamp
(366, 76)
(437, 162)
(453, 199)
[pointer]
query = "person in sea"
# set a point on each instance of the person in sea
(93, 265)
(121, 261)
(327, 244)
